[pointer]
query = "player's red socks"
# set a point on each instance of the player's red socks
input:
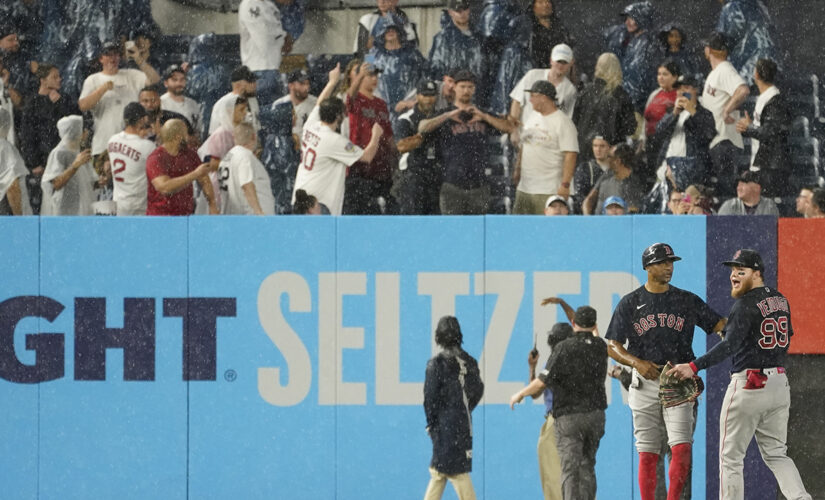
(647, 474)
(679, 468)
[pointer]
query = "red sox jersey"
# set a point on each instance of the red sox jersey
(127, 157)
(658, 327)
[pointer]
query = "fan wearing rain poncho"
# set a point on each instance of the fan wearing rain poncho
(455, 46)
(69, 181)
(281, 153)
(747, 26)
(400, 62)
(14, 197)
(638, 50)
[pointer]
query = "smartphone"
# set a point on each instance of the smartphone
(687, 95)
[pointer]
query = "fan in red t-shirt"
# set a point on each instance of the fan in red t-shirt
(366, 182)
(171, 169)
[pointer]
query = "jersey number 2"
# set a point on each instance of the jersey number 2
(309, 158)
(774, 332)
(120, 166)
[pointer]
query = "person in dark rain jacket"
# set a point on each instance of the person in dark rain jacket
(638, 50)
(455, 46)
(747, 26)
(452, 389)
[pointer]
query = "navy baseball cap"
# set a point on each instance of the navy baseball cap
(746, 257)
(171, 70)
(688, 81)
(544, 88)
(300, 75)
(585, 317)
(427, 88)
(559, 332)
(658, 252)
(109, 47)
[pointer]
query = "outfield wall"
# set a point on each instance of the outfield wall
(284, 357)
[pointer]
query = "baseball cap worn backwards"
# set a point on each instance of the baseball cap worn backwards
(585, 317)
(299, 75)
(716, 41)
(746, 257)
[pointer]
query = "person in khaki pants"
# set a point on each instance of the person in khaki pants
(452, 389)
(549, 462)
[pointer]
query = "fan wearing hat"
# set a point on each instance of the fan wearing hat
(456, 45)
(757, 338)
(420, 170)
(107, 93)
(174, 100)
(561, 60)
(620, 181)
(548, 150)
(556, 205)
(651, 326)
(299, 98)
(640, 53)
(614, 205)
(575, 373)
(683, 137)
(723, 94)
(244, 84)
(749, 199)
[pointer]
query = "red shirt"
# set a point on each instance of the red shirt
(363, 113)
(160, 162)
(657, 109)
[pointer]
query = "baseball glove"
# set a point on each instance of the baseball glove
(673, 391)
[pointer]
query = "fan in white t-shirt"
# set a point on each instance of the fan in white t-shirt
(298, 96)
(244, 182)
(107, 93)
(128, 151)
(262, 35)
(174, 100)
(326, 154)
(561, 60)
(549, 148)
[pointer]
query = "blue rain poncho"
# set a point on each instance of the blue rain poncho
(747, 26)
(640, 56)
(208, 78)
(279, 156)
(453, 49)
(401, 69)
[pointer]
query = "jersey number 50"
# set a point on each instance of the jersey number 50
(309, 158)
(774, 332)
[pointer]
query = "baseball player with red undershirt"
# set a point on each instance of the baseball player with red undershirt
(656, 322)
(758, 397)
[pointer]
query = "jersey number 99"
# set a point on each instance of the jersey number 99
(774, 332)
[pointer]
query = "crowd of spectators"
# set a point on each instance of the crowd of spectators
(657, 127)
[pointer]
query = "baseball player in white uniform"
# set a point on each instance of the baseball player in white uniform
(758, 398)
(128, 151)
(243, 180)
(326, 154)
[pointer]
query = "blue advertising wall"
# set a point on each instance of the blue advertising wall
(284, 357)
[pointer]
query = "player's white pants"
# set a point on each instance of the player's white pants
(649, 418)
(764, 413)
